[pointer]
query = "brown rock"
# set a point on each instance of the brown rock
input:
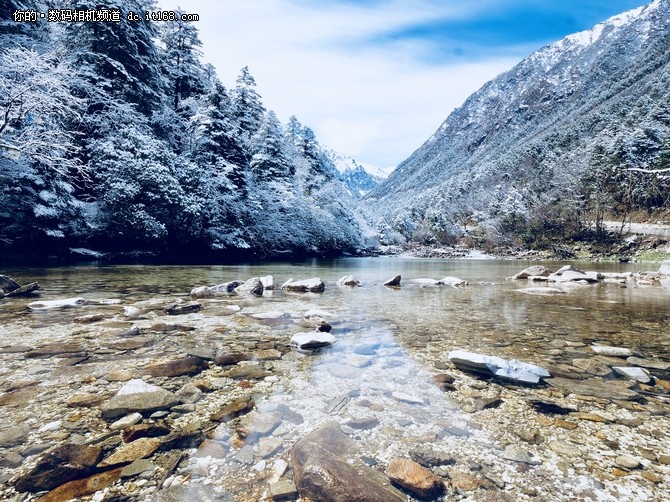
(86, 400)
(211, 448)
(82, 487)
(233, 410)
(564, 424)
(130, 452)
(247, 372)
(327, 468)
(230, 359)
(414, 478)
(85, 319)
(54, 349)
(464, 481)
(184, 366)
(59, 465)
(591, 366)
(135, 432)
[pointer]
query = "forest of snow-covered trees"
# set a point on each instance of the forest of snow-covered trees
(114, 136)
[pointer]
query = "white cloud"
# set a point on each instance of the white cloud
(375, 104)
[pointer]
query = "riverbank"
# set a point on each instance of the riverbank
(224, 399)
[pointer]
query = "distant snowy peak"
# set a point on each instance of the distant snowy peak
(358, 178)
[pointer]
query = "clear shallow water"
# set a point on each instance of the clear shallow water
(409, 330)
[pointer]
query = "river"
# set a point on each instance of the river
(376, 381)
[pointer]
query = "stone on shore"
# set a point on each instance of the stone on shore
(532, 271)
(312, 340)
(393, 283)
(327, 468)
(252, 286)
(512, 370)
(57, 304)
(139, 396)
(414, 478)
(59, 465)
(348, 280)
(313, 285)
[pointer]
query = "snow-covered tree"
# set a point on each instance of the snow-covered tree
(248, 110)
(269, 159)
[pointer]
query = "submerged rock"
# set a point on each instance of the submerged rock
(454, 282)
(312, 340)
(542, 291)
(59, 465)
(513, 370)
(327, 467)
(313, 285)
(394, 283)
(137, 395)
(57, 304)
(188, 365)
(414, 478)
(182, 308)
(638, 374)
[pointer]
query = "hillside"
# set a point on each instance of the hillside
(544, 148)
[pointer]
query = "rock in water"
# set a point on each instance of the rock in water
(327, 468)
(253, 286)
(179, 308)
(137, 395)
(454, 282)
(313, 285)
(348, 280)
(513, 370)
(59, 465)
(543, 291)
(665, 269)
(268, 282)
(311, 341)
(535, 270)
(188, 365)
(202, 293)
(414, 478)
(81, 487)
(57, 304)
(7, 284)
(395, 282)
(24, 290)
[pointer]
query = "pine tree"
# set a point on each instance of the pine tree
(269, 158)
(248, 110)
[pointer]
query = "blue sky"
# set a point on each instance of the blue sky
(375, 78)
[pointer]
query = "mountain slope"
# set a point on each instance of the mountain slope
(532, 136)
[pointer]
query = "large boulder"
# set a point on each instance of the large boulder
(252, 286)
(664, 271)
(348, 280)
(59, 465)
(327, 468)
(394, 282)
(512, 370)
(313, 285)
(268, 282)
(137, 395)
(7, 284)
(533, 271)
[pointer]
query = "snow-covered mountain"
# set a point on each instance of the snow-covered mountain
(357, 178)
(543, 134)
